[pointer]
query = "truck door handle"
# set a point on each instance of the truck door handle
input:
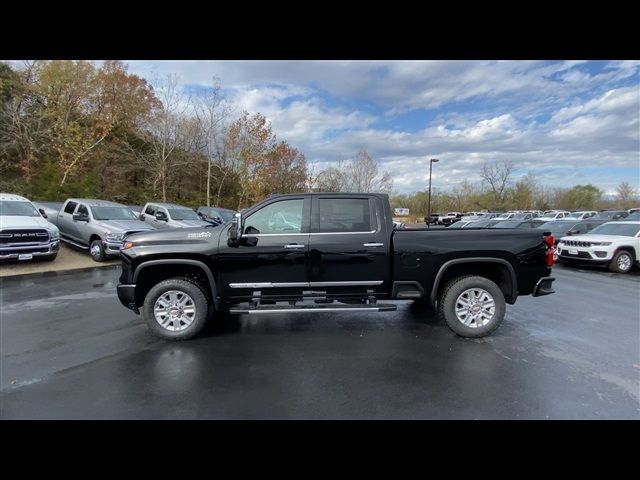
(293, 245)
(373, 244)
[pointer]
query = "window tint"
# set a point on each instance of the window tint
(276, 218)
(70, 207)
(345, 215)
(150, 210)
(83, 210)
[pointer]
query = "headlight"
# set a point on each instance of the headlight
(601, 244)
(115, 237)
(54, 235)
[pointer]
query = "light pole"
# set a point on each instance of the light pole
(431, 162)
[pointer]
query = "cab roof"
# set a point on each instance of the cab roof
(91, 202)
(12, 197)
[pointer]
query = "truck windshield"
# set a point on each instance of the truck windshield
(18, 209)
(624, 229)
(113, 213)
(226, 216)
(183, 214)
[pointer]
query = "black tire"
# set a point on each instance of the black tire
(200, 300)
(449, 296)
(96, 250)
(621, 257)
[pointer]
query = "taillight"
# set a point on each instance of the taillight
(549, 240)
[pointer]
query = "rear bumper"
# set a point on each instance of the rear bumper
(127, 296)
(543, 287)
(47, 250)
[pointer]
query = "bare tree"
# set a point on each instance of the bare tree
(498, 176)
(211, 110)
(626, 194)
(165, 131)
(362, 175)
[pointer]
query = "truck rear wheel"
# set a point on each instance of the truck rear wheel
(472, 306)
(176, 309)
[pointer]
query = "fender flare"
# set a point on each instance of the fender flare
(455, 261)
(183, 261)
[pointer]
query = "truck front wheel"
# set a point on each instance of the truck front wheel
(471, 306)
(176, 309)
(96, 249)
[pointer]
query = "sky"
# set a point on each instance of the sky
(567, 122)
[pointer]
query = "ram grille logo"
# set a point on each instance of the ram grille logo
(199, 235)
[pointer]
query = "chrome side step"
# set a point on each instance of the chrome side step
(75, 244)
(315, 308)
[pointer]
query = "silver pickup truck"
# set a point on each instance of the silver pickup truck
(170, 215)
(97, 225)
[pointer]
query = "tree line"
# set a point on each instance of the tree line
(498, 189)
(70, 128)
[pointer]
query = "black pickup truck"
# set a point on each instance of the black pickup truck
(325, 253)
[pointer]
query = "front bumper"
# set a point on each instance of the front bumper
(127, 296)
(46, 250)
(596, 253)
(112, 248)
(543, 287)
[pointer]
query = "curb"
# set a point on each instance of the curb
(56, 273)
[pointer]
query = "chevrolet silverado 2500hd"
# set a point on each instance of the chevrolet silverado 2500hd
(325, 253)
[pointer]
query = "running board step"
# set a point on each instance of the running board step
(251, 310)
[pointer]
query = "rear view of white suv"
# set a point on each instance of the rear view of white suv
(615, 244)
(24, 232)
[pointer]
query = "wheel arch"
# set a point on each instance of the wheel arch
(162, 269)
(627, 248)
(500, 271)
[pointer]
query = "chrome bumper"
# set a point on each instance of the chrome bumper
(45, 250)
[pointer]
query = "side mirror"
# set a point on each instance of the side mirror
(161, 216)
(80, 217)
(44, 215)
(235, 231)
(142, 217)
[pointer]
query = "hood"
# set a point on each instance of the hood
(119, 226)
(177, 236)
(188, 223)
(595, 238)
(14, 221)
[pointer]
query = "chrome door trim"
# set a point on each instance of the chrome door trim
(373, 244)
(347, 284)
(305, 284)
(269, 285)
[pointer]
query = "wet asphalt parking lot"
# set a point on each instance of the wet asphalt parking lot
(71, 351)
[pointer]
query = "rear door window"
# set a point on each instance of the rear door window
(344, 215)
(70, 207)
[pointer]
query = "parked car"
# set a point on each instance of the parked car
(97, 225)
(582, 215)
(170, 215)
(282, 256)
(612, 214)
(615, 244)
(488, 223)
(25, 233)
(215, 215)
(555, 215)
(567, 227)
(449, 218)
(461, 223)
(518, 223)
(433, 219)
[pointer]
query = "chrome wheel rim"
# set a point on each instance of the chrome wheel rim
(174, 310)
(624, 262)
(95, 250)
(475, 307)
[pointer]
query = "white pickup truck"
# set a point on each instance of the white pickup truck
(25, 233)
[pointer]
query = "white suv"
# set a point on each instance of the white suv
(616, 244)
